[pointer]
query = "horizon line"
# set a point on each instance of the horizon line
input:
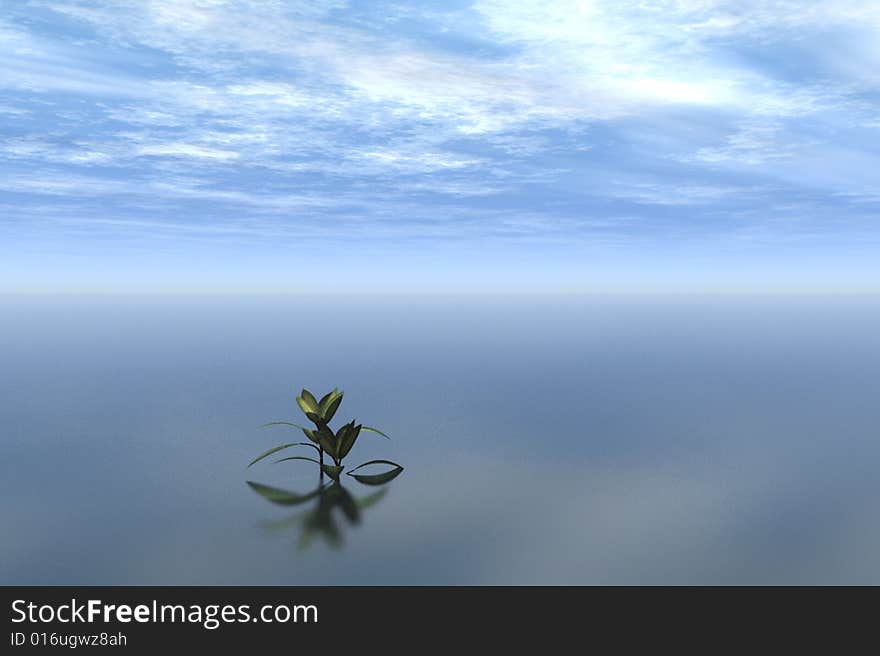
(96, 292)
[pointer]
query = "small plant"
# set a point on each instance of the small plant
(323, 439)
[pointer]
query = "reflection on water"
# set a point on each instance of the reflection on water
(332, 506)
(547, 441)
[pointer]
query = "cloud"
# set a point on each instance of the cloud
(187, 150)
(753, 143)
(13, 111)
(693, 194)
(562, 116)
(632, 55)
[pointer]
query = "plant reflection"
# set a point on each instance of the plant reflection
(333, 507)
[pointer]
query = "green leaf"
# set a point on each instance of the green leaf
(374, 430)
(326, 397)
(307, 402)
(347, 442)
(376, 479)
(327, 440)
(309, 398)
(282, 497)
(333, 471)
(327, 411)
(298, 458)
(329, 404)
(276, 449)
(328, 446)
(317, 419)
(376, 462)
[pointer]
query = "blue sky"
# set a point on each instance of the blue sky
(154, 145)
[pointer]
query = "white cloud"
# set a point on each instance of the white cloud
(414, 162)
(62, 185)
(633, 54)
(188, 150)
(362, 115)
(654, 193)
(13, 111)
(753, 143)
(77, 152)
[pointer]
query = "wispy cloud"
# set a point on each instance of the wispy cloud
(439, 121)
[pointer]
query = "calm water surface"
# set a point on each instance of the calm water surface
(546, 440)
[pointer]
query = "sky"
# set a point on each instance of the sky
(492, 145)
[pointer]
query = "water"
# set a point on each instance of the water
(545, 440)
